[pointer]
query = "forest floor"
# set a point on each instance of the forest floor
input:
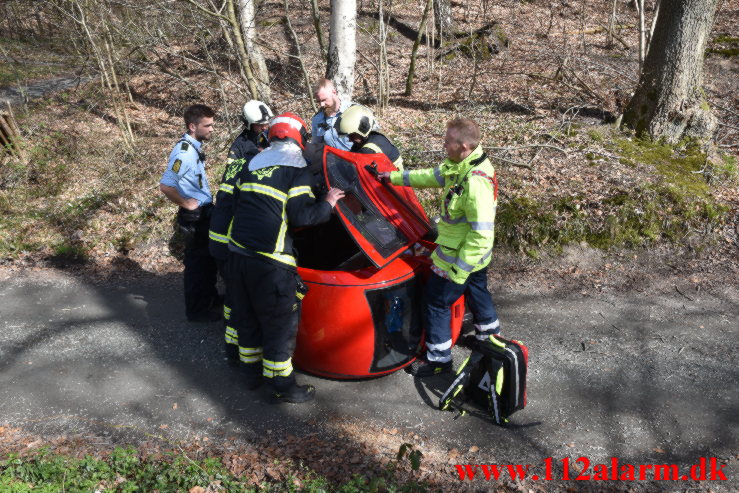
(545, 102)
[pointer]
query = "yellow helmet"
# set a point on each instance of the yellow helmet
(356, 119)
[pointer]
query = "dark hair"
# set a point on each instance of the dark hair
(196, 112)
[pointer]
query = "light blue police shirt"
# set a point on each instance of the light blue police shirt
(186, 171)
(320, 132)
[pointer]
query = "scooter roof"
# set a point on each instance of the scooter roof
(383, 219)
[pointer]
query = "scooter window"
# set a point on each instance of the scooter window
(359, 209)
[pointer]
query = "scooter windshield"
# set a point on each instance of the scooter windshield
(377, 236)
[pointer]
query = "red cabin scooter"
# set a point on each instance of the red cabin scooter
(365, 269)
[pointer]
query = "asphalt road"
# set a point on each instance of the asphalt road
(648, 376)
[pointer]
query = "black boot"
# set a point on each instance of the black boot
(252, 374)
(286, 389)
(422, 368)
(232, 354)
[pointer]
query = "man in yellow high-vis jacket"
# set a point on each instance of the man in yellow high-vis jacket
(466, 233)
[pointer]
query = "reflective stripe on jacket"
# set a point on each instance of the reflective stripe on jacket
(467, 225)
(243, 149)
(267, 202)
(377, 143)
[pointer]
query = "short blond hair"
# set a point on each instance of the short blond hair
(323, 83)
(466, 130)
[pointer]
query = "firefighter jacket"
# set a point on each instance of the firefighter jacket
(244, 148)
(377, 143)
(270, 196)
(467, 224)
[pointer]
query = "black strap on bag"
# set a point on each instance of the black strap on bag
(480, 379)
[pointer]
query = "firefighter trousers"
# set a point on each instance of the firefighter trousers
(265, 313)
(231, 337)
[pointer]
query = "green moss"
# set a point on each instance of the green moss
(501, 36)
(678, 204)
(129, 470)
(70, 251)
(595, 135)
(676, 167)
(726, 39)
(648, 213)
(13, 236)
(28, 60)
(724, 45)
(271, 21)
(726, 52)
(526, 225)
(476, 46)
(727, 169)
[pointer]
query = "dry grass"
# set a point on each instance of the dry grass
(84, 195)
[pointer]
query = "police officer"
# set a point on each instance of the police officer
(271, 196)
(185, 183)
(256, 116)
(323, 123)
(465, 242)
(359, 124)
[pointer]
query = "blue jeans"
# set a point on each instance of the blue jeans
(440, 296)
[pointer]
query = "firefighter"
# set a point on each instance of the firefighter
(359, 124)
(323, 123)
(185, 183)
(256, 116)
(271, 196)
(465, 242)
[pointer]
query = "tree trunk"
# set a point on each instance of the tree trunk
(299, 56)
(247, 18)
(342, 46)
(669, 102)
(414, 51)
(317, 25)
(642, 39)
(443, 20)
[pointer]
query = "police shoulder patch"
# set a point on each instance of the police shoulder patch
(176, 165)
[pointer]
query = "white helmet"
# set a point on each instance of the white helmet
(356, 119)
(256, 112)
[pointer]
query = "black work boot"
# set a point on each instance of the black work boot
(210, 315)
(422, 368)
(286, 389)
(232, 354)
(252, 374)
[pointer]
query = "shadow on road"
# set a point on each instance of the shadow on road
(610, 376)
